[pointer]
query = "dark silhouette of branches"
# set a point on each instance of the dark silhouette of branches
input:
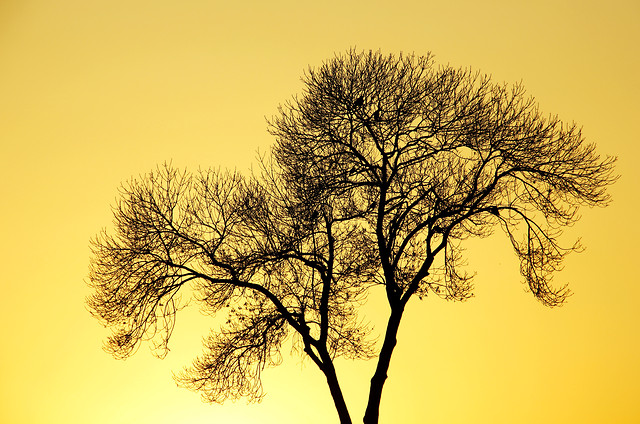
(380, 171)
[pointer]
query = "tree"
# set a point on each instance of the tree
(380, 170)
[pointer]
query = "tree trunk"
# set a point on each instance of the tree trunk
(380, 375)
(336, 392)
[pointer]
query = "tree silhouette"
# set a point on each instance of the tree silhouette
(379, 171)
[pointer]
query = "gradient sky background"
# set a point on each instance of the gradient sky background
(95, 92)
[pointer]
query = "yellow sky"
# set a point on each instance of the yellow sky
(94, 92)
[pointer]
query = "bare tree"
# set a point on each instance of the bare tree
(380, 170)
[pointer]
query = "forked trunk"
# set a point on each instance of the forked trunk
(336, 393)
(380, 375)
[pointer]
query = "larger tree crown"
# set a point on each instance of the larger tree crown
(451, 153)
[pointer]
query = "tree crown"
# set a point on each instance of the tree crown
(380, 169)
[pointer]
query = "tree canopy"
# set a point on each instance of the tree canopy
(380, 170)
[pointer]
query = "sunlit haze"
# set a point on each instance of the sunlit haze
(93, 93)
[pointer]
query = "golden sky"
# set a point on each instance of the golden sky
(93, 92)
